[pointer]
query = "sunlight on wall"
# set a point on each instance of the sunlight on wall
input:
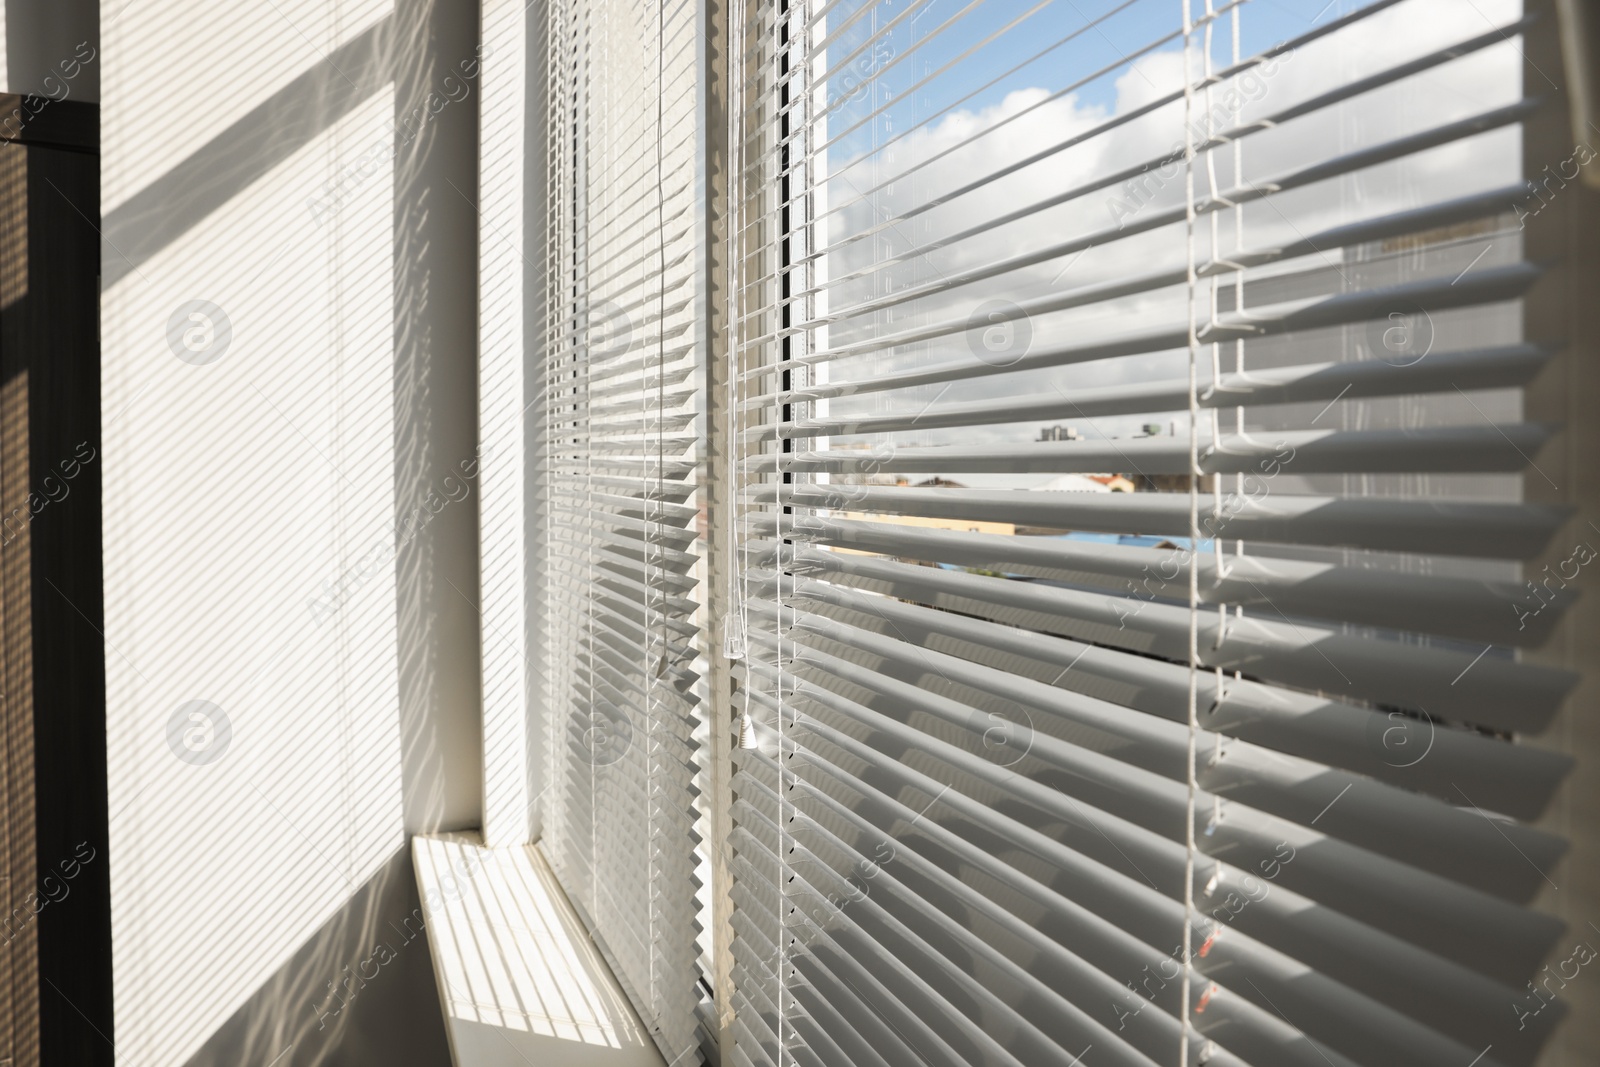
(174, 76)
(248, 377)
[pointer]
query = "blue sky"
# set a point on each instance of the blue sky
(1264, 22)
(876, 256)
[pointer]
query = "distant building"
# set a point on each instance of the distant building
(1076, 483)
(1059, 433)
(1171, 483)
(1003, 529)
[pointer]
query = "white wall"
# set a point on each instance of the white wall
(508, 159)
(281, 539)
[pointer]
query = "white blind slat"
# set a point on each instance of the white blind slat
(1031, 707)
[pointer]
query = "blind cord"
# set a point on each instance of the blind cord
(655, 508)
(1194, 534)
(780, 302)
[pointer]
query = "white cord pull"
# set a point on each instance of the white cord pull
(734, 640)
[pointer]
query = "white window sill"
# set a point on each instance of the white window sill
(520, 982)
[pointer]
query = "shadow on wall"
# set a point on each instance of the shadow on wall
(360, 992)
(423, 51)
(346, 735)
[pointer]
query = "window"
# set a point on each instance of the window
(1122, 643)
(615, 479)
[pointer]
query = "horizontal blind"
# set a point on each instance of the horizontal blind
(1129, 457)
(616, 494)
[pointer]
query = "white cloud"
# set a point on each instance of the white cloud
(952, 151)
